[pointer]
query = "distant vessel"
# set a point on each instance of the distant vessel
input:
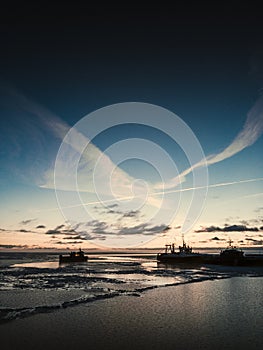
(231, 256)
(73, 257)
(185, 255)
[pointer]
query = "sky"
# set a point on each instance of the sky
(131, 126)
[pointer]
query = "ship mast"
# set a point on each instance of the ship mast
(229, 242)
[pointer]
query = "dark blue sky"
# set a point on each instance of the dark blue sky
(96, 56)
(190, 58)
(194, 59)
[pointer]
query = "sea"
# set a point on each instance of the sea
(106, 275)
(127, 300)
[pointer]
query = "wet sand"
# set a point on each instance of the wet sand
(219, 314)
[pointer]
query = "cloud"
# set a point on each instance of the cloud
(217, 239)
(42, 122)
(239, 228)
(11, 246)
(100, 229)
(114, 212)
(41, 226)
(254, 241)
(61, 230)
(167, 228)
(115, 205)
(131, 214)
(227, 228)
(97, 229)
(59, 227)
(71, 236)
(209, 229)
(44, 133)
(244, 222)
(98, 226)
(53, 232)
(143, 229)
(76, 237)
(251, 222)
(258, 210)
(73, 242)
(25, 142)
(251, 131)
(26, 222)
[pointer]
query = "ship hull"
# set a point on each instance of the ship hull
(235, 261)
(68, 259)
(210, 259)
(176, 258)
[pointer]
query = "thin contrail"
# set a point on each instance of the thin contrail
(253, 195)
(222, 184)
(209, 186)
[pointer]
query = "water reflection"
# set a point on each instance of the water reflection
(39, 264)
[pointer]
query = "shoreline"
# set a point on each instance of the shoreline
(213, 314)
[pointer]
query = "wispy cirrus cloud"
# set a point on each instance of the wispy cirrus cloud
(76, 140)
(251, 131)
(79, 153)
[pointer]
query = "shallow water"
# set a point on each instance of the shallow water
(36, 284)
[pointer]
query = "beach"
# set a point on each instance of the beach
(214, 314)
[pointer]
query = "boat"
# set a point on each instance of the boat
(184, 255)
(233, 256)
(73, 257)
